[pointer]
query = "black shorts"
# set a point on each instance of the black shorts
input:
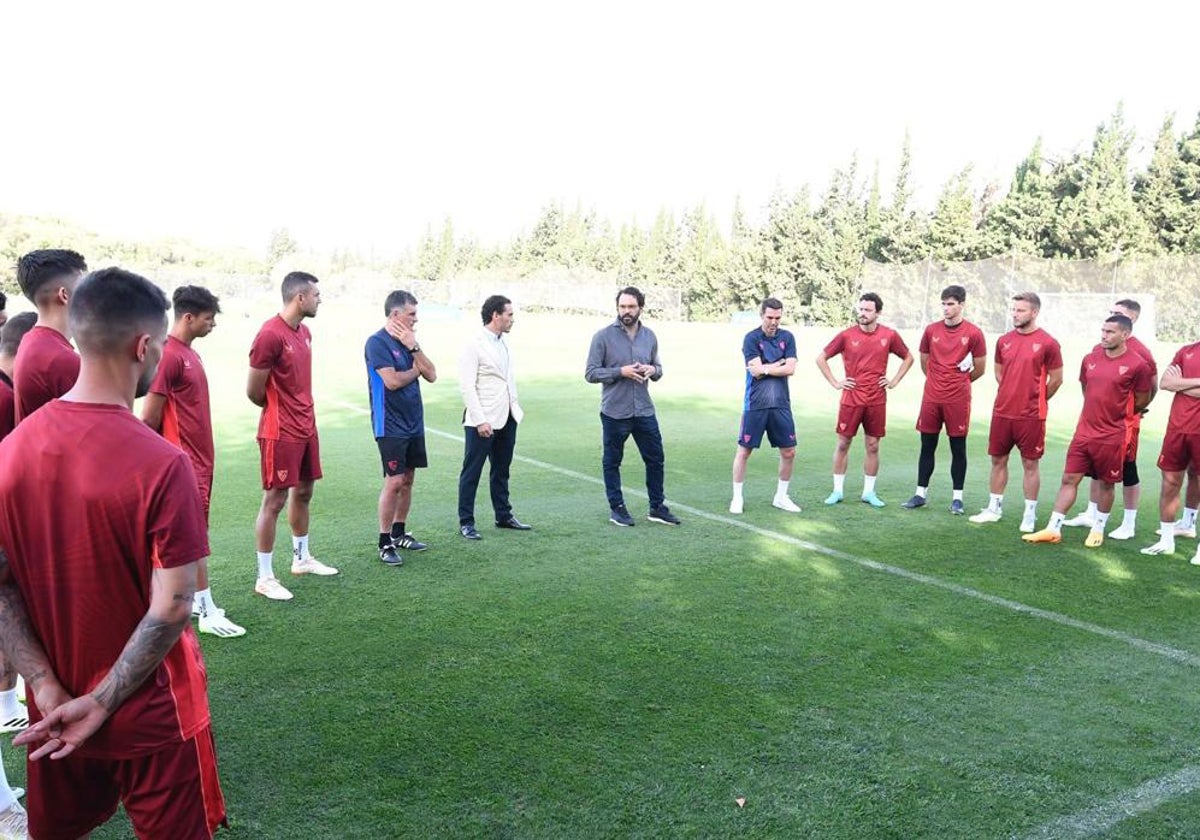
(399, 455)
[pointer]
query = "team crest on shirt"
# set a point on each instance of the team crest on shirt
(1037, 347)
(281, 474)
(1123, 369)
(883, 342)
(187, 365)
(965, 340)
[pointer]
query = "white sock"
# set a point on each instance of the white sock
(300, 547)
(781, 489)
(7, 800)
(737, 489)
(839, 483)
(1101, 521)
(1189, 517)
(1092, 510)
(995, 502)
(204, 601)
(9, 707)
(868, 485)
(1129, 520)
(957, 496)
(1056, 521)
(1168, 534)
(264, 565)
(923, 492)
(1031, 508)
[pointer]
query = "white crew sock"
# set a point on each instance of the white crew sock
(7, 799)
(923, 492)
(1129, 519)
(957, 496)
(868, 485)
(1189, 517)
(1168, 534)
(781, 489)
(737, 489)
(264, 565)
(300, 547)
(204, 602)
(1056, 521)
(995, 502)
(839, 483)
(1031, 507)
(1101, 521)
(1092, 510)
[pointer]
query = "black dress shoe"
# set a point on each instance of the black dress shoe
(469, 532)
(514, 524)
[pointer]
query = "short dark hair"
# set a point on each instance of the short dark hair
(1131, 305)
(874, 298)
(1029, 297)
(14, 330)
(38, 269)
(111, 306)
(634, 292)
(492, 307)
(3, 301)
(768, 303)
(397, 300)
(194, 300)
(1121, 321)
(957, 293)
(295, 283)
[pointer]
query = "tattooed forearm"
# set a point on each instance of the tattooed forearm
(151, 640)
(20, 644)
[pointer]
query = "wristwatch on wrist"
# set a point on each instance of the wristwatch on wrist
(416, 348)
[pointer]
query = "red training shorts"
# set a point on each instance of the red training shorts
(956, 417)
(1096, 459)
(872, 419)
(287, 463)
(1179, 452)
(1027, 434)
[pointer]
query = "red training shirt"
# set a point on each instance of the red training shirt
(946, 347)
(1023, 361)
(8, 406)
(287, 353)
(1109, 388)
(46, 367)
(187, 418)
(865, 356)
(1185, 410)
(91, 502)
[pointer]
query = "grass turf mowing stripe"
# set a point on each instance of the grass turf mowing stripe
(1105, 815)
(1175, 654)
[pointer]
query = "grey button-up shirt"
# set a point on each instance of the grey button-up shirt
(612, 349)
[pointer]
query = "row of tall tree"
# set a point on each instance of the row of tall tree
(1085, 205)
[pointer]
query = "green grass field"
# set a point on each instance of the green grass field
(847, 672)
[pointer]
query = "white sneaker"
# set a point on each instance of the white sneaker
(1196, 558)
(312, 566)
(784, 503)
(1080, 521)
(14, 824)
(736, 505)
(217, 624)
(272, 588)
(1122, 533)
(1182, 530)
(985, 516)
(1160, 547)
(1028, 525)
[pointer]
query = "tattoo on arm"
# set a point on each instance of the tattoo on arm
(20, 644)
(146, 648)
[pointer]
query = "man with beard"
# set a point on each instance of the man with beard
(770, 357)
(864, 349)
(1029, 370)
(623, 359)
(281, 383)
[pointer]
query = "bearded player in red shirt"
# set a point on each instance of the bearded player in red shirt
(100, 625)
(953, 355)
(1181, 445)
(1113, 377)
(178, 408)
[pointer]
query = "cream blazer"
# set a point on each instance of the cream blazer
(485, 378)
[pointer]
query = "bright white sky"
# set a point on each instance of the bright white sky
(359, 124)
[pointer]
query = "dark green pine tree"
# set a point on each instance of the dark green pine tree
(954, 230)
(1023, 218)
(1160, 204)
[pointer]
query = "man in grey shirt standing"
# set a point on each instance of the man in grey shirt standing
(624, 358)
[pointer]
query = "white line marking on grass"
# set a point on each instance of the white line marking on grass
(1104, 815)
(1175, 654)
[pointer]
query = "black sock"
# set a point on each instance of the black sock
(397, 530)
(385, 540)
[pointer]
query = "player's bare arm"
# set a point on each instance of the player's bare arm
(925, 364)
(1054, 381)
(63, 730)
(999, 371)
(905, 366)
(980, 367)
(1141, 400)
(152, 410)
(256, 386)
(21, 645)
(1174, 380)
(846, 384)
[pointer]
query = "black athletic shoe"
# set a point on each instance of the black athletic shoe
(662, 515)
(513, 524)
(914, 502)
(620, 516)
(389, 557)
(409, 543)
(469, 532)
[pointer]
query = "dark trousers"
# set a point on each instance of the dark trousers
(499, 450)
(649, 443)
